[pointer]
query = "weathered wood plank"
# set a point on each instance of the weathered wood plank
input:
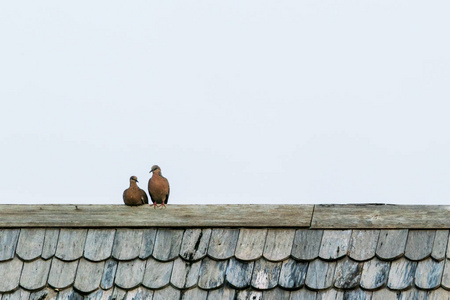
(320, 274)
(89, 275)
(212, 273)
(99, 243)
(250, 244)
(50, 243)
(278, 244)
(34, 274)
(145, 216)
(157, 279)
(167, 244)
(223, 243)
(307, 244)
(108, 274)
(293, 274)
(239, 274)
(265, 274)
(70, 244)
(8, 242)
(429, 274)
(401, 275)
(127, 244)
(334, 243)
(419, 244)
(10, 274)
(381, 216)
(440, 244)
(375, 274)
(195, 244)
(148, 242)
(392, 243)
(363, 244)
(62, 274)
(446, 275)
(129, 274)
(185, 273)
(347, 274)
(30, 243)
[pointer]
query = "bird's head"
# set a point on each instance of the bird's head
(155, 169)
(133, 178)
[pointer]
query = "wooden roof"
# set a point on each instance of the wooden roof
(253, 261)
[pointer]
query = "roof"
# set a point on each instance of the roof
(361, 252)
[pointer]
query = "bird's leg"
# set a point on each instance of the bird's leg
(155, 205)
(163, 205)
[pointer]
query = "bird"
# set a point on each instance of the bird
(134, 195)
(158, 187)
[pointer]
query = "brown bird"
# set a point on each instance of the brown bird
(134, 195)
(158, 187)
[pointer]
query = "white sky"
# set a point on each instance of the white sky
(237, 101)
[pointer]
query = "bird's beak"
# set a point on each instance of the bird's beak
(137, 180)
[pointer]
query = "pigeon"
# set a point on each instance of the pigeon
(158, 187)
(134, 195)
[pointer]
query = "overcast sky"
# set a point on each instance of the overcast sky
(276, 102)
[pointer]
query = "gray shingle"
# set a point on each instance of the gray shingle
(330, 295)
(446, 274)
(109, 272)
(334, 243)
(127, 244)
(99, 244)
(223, 243)
(363, 244)
(99, 295)
(357, 294)
(292, 274)
(139, 293)
(62, 274)
(8, 242)
(303, 294)
(438, 294)
(89, 275)
(157, 274)
(167, 244)
(276, 294)
(401, 274)
(440, 245)
(195, 244)
(212, 273)
(250, 244)
(375, 274)
(391, 244)
(46, 294)
(70, 244)
(185, 273)
(347, 274)
(223, 293)
(239, 273)
(148, 242)
(67, 294)
(195, 293)
(34, 274)
(413, 294)
(118, 294)
(320, 274)
(166, 294)
(19, 294)
(278, 245)
(429, 273)
(419, 244)
(307, 244)
(30, 243)
(265, 274)
(248, 294)
(50, 243)
(385, 294)
(129, 274)
(10, 274)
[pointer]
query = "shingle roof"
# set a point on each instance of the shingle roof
(224, 263)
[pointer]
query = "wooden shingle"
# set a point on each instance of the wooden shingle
(185, 273)
(62, 274)
(248, 294)
(358, 294)
(34, 274)
(440, 244)
(10, 274)
(446, 275)
(239, 273)
(148, 242)
(330, 295)
(375, 274)
(401, 274)
(99, 295)
(157, 279)
(19, 294)
(89, 275)
(334, 244)
(139, 293)
(276, 294)
(49, 294)
(127, 244)
(363, 244)
(212, 273)
(223, 293)
(307, 244)
(419, 244)
(129, 274)
(391, 243)
(265, 274)
(303, 294)
(250, 245)
(347, 274)
(30, 243)
(278, 245)
(223, 243)
(429, 273)
(8, 242)
(70, 244)
(292, 274)
(166, 294)
(99, 243)
(385, 294)
(320, 274)
(195, 293)
(195, 244)
(50, 243)
(167, 244)
(109, 273)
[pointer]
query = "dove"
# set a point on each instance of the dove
(158, 187)
(134, 195)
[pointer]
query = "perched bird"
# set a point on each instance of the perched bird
(134, 195)
(158, 187)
